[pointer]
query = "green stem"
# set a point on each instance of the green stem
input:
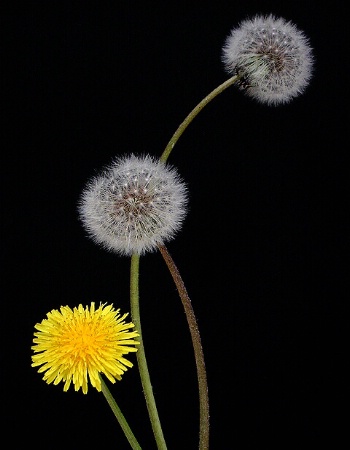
(118, 414)
(141, 357)
(182, 127)
(198, 351)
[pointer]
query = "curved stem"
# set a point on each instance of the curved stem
(141, 357)
(198, 351)
(182, 127)
(120, 417)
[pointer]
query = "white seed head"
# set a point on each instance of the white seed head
(272, 57)
(136, 204)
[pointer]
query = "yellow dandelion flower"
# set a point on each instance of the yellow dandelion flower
(79, 344)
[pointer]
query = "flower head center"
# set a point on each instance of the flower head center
(134, 202)
(81, 340)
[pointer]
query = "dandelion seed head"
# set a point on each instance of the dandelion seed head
(136, 204)
(272, 57)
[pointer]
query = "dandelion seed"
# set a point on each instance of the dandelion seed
(76, 345)
(145, 208)
(272, 57)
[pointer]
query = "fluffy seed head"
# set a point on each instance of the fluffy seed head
(136, 204)
(272, 57)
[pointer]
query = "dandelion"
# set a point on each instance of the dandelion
(136, 204)
(79, 344)
(272, 58)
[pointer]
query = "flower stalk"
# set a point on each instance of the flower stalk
(120, 417)
(195, 111)
(198, 350)
(141, 356)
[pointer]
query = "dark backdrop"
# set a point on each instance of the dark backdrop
(262, 250)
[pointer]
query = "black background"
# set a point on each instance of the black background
(262, 250)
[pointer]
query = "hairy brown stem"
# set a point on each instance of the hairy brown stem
(198, 350)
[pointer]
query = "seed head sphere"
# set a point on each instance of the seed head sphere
(272, 57)
(136, 204)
